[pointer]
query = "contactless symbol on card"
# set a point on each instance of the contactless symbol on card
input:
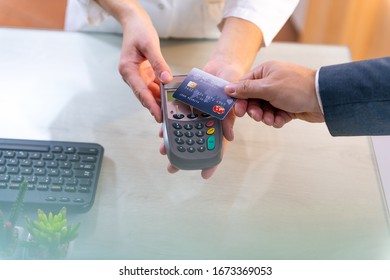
(205, 92)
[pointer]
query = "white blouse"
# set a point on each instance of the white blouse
(186, 18)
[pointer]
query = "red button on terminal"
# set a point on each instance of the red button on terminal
(210, 123)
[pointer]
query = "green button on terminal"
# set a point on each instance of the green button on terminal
(211, 143)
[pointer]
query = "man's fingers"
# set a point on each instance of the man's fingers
(246, 89)
(255, 110)
(240, 107)
(268, 113)
(281, 118)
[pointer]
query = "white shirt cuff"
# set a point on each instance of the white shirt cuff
(269, 16)
(318, 90)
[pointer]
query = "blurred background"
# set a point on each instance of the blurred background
(362, 25)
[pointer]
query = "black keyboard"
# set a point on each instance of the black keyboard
(57, 173)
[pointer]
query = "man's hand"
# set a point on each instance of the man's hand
(277, 92)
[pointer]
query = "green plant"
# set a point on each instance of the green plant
(8, 232)
(50, 235)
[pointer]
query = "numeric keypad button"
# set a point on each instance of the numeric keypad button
(178, 133)
(176, 126)
(188, 126)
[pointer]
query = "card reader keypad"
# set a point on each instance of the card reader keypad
(196, 136)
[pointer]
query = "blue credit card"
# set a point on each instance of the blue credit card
(205, 92)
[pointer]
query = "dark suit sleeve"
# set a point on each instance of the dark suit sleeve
(356, 97)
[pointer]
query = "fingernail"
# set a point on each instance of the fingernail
(165, 76)
(230, 88)
(250, 113)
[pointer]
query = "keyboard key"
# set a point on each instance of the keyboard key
(16, 179)
(39, 171)
(57, 149)
(70, 189)
(13, 170)
(74, 158)
(88, 151)
(88, 159)
(52, 172)
(78, 200)
(61, 157)
(57, 181)
(56, 188)
(70, 150)
(12, 162)
(66, 173)
(44, 180)
(26, 162)
(51, 164)
(84, 166)
(71, 181)
(48, 156)
(65, 165)
(14, 186)
(4, 177)
(26, 170)
(84, 189)
(83, 174)
(30, 179)
(85, 182)
(9, 154)
(21, 154)
(42, 188)
(35, 155)
(39, 163)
